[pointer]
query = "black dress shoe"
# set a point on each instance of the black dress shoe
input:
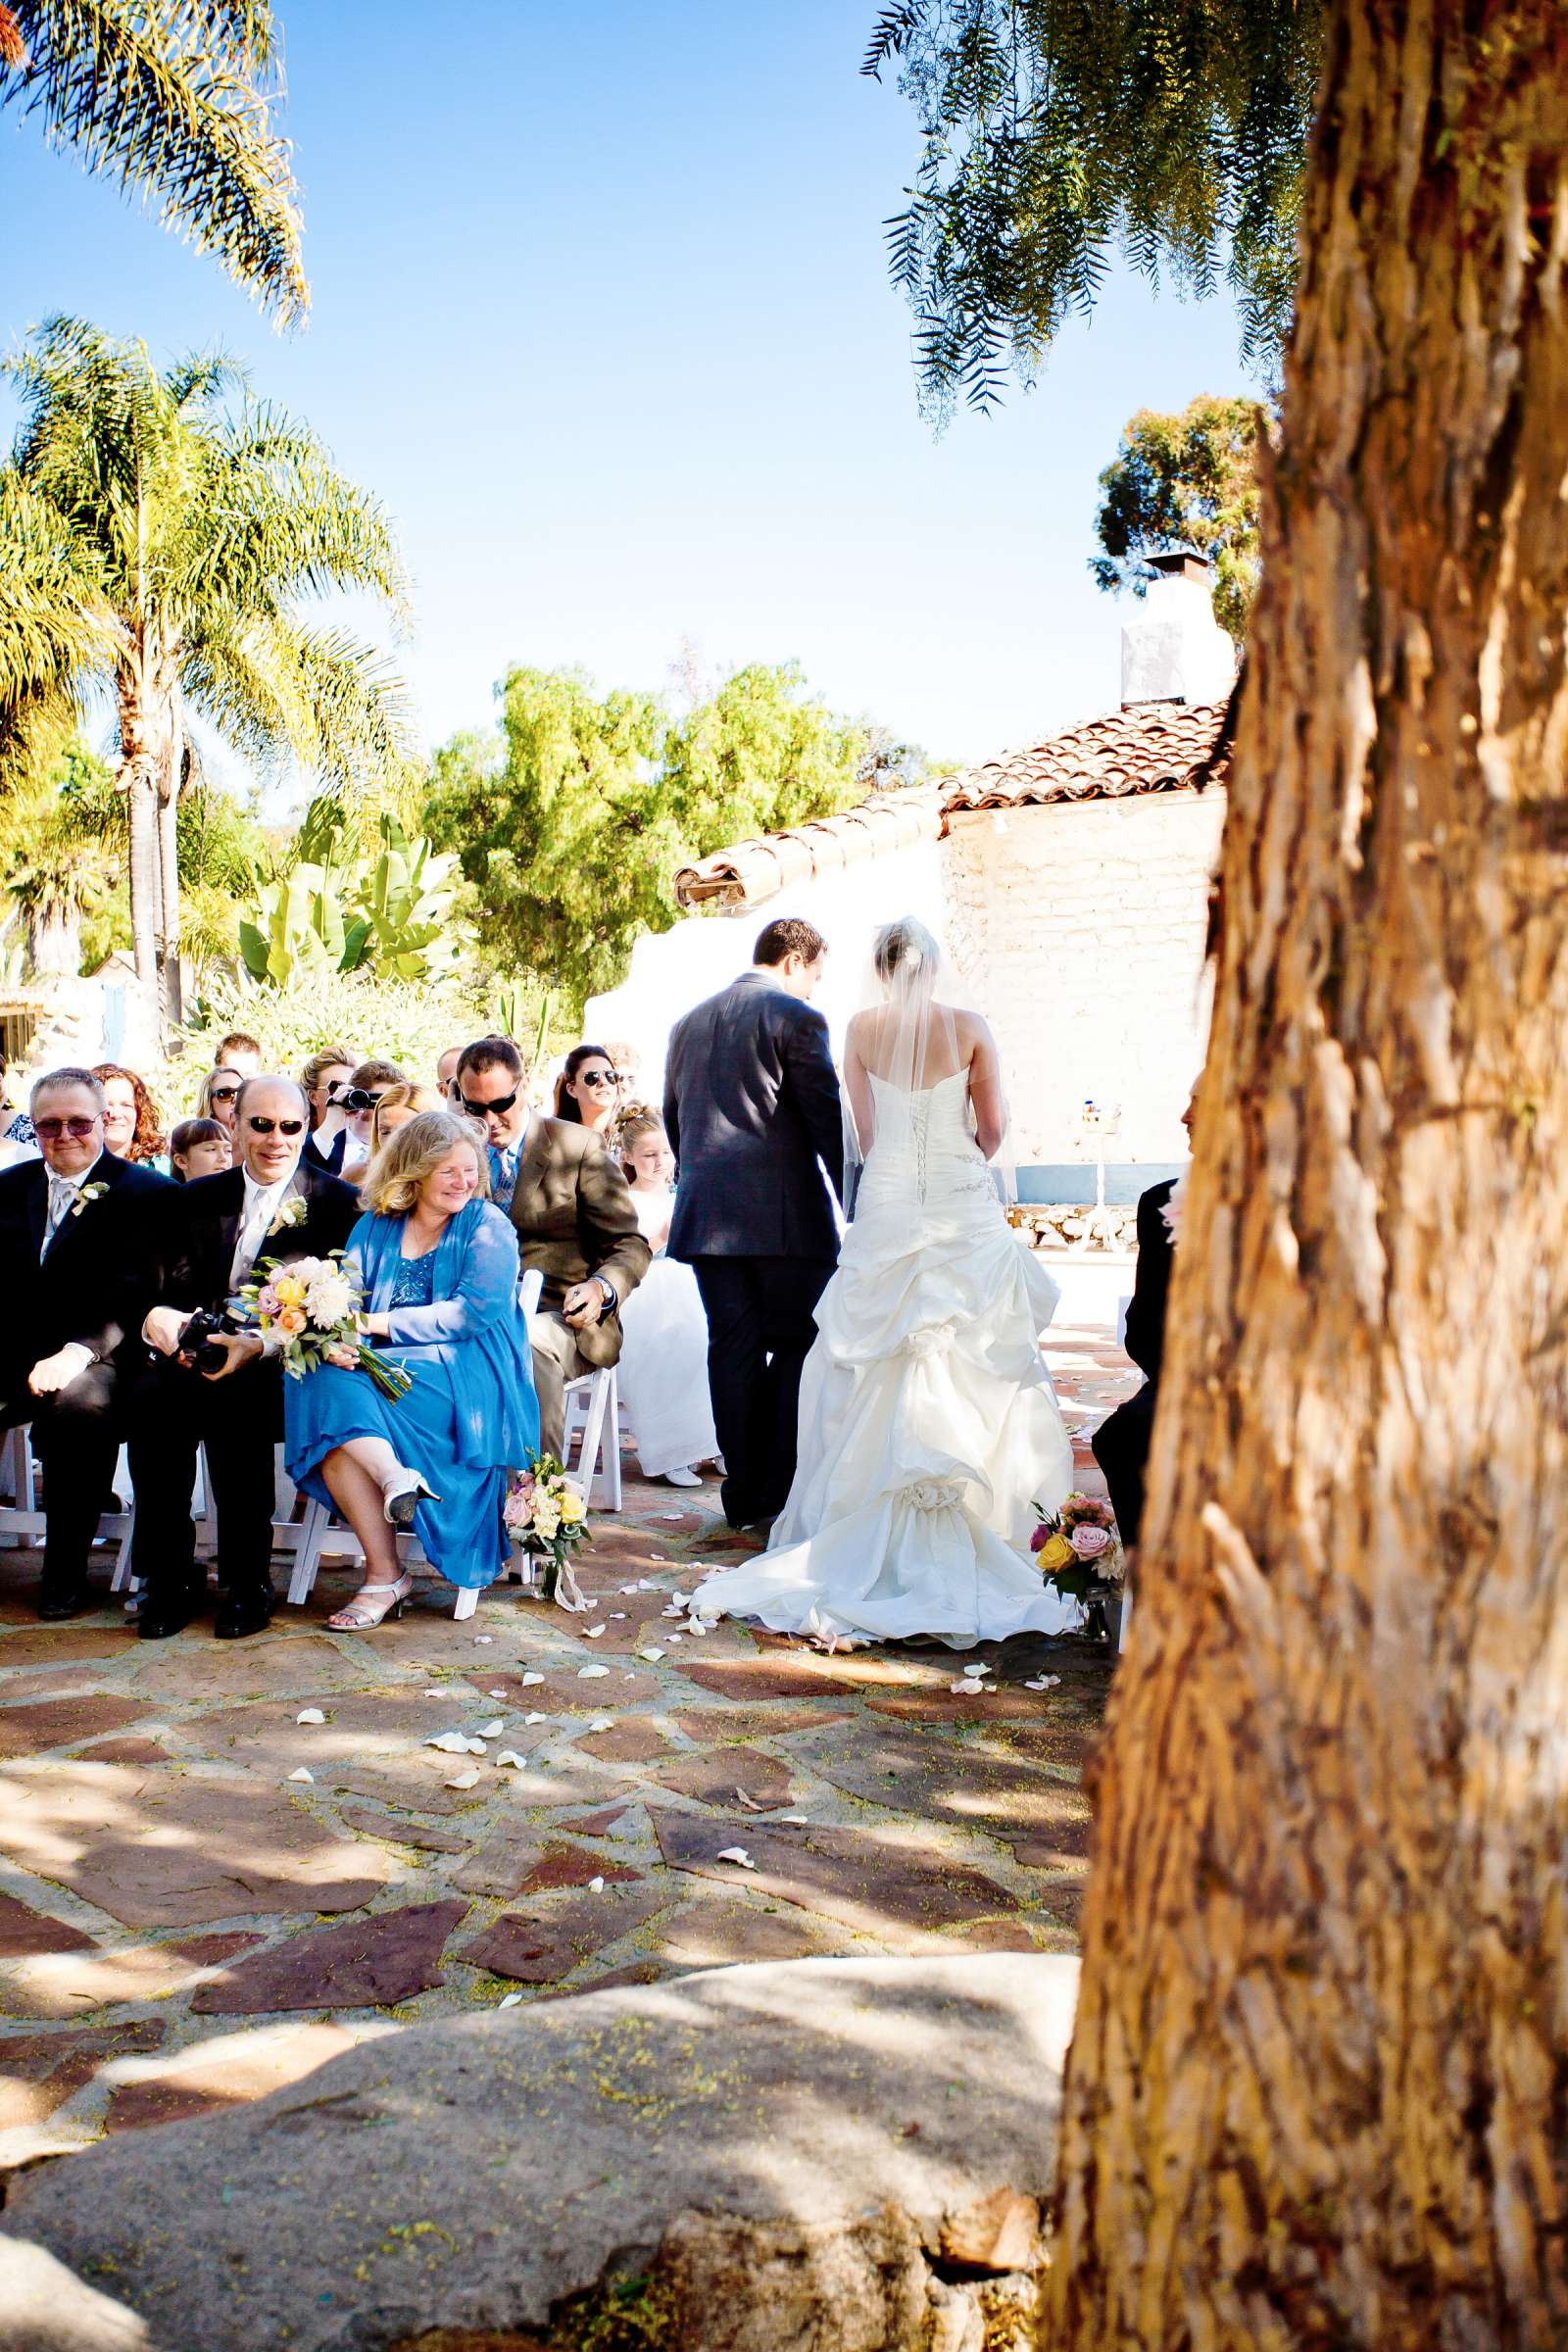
(161, 1620)
(53, 1606)
(250, 1613)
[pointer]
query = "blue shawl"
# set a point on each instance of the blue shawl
(474, 1325)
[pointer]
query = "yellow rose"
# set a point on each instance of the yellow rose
(289, 1289)
(572, 1510)
(1057, 1554)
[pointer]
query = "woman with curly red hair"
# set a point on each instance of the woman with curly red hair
(132, 1129)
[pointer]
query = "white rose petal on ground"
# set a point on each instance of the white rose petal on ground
(1045, 1682)
(738, 1855)
(602, 1723)
(432, 1695)
(536, 1719)
(495, 1694)
(588, 1673)
(300, 1774)
(672, 1636)
(798, 1818)
(309, 1715)
(465, 1780)
(615, 1614)
(482, 1641)
(531, 1678)
(652, 1655)
(453, 1743)
(493, 1729)
(593, 1632)
(510, 1755)
(969, 1683)
(596, 1886)
(509, 2000)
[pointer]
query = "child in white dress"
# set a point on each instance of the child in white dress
(664, 1356)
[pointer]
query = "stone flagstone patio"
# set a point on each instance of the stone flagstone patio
(202, 1898)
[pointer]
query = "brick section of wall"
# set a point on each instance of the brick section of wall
(1078, 928)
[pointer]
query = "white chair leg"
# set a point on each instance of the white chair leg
(612, 1442)
(308, 1552)
(122, 1576)
(468, 1603)
(1126, 1617)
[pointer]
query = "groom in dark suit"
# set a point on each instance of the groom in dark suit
(210, 1239)
(751, 1109)
(71, 1246)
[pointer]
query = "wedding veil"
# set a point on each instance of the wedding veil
(910, 1034)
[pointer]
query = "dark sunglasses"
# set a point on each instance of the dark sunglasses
(497, 1108)
(598, 1077)
(51, 1130)
(360, 1098)
(283, 1126)
(224, 1093)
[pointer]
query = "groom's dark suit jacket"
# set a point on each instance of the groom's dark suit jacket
(752, 1107)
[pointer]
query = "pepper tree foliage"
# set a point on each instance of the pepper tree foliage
(1185, 481)
(1057, 133)
(571, 820)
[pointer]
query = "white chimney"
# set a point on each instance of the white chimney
(1174, 651)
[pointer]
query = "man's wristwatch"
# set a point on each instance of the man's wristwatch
(609, 1289)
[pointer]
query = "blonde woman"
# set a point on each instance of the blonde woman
(397, 1106)
(220, 1091)
(438, 1266)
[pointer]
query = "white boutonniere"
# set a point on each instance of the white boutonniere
(1173, 1210)
(292, 1210)
(87, 1195)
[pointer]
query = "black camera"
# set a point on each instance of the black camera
(357, 1098)
(199, 1349)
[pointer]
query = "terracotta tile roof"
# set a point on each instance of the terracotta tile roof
(1152, 747)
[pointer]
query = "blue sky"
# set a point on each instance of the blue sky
(602, 314)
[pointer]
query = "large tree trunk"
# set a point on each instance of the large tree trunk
(1318, 2094)
(171, 1001)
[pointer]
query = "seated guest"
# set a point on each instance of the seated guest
(397, 1106)
(70, 1239)
(132, 1128)
(664, 1356)
(239, 1051)
(200, 1148)
(325, 1077)
(627, 1064)
(211, 1237)
(439, 1270)
(365, 1086)
(588, 1091)
(220, 1091)
(446, 1072)
(1122, 1441)
(575, 1219)
(17, 1138)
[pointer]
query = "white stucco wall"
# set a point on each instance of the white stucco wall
(1080, 927)
(676, 970)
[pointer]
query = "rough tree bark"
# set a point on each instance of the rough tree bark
(1318, 2094)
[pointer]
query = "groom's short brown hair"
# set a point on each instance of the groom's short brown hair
(789, 935)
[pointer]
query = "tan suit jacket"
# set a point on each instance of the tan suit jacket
(573, 1212)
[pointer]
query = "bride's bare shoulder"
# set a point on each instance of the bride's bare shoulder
(971, 1027)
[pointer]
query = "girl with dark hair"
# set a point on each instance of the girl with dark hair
(199, 1147)
(588, 1091)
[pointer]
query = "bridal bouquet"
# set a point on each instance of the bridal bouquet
(313, 1305)
(545, 1515)
(1078, 1548)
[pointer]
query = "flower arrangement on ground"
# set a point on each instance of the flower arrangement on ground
(1078, 1548)
(546, 1516)
(313, 1305)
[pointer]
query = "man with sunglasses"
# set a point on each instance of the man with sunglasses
(573, 1210)
(70, 1251)
(212, 1235)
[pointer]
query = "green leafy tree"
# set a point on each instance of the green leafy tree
(1059, 134)
(60, 868)
(572, 823)
(329, 909)
(172, 101)
(1185, 481)
(171, 536)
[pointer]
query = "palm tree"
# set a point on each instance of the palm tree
(172, 102)
(158, 536)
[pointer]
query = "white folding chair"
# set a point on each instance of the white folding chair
(593, 1413)
(23, 1523)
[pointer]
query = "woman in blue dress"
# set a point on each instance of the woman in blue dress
(438, 1266)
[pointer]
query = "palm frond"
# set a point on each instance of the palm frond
(173, 99)
(276, 685)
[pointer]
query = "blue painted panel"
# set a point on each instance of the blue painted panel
(1074, 1187)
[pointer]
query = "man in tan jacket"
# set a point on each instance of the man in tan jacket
(576, 1222)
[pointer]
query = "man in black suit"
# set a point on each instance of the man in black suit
(70, 1250)
(213, 1233)
(1122, 1441)
(751, 1109)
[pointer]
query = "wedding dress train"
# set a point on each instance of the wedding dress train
(928, 1426)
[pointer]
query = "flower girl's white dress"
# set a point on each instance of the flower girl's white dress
(928, 1423)
(663, 1356)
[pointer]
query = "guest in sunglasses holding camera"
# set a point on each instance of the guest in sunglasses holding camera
(71, 1246)
(215, 1385)
(574, 1218)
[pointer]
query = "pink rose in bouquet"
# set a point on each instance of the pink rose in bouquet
(1089, 1541)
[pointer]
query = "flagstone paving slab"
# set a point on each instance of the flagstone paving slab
(370, 1962)
(39, 2072)
(171, 1865)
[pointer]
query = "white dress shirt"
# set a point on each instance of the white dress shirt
(262, 1204)
(64, 1194)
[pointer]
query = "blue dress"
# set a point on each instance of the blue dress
(470, 1417)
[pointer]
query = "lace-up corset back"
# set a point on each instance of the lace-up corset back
(923, 1141)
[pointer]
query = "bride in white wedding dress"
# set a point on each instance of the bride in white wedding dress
(928, 1426)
